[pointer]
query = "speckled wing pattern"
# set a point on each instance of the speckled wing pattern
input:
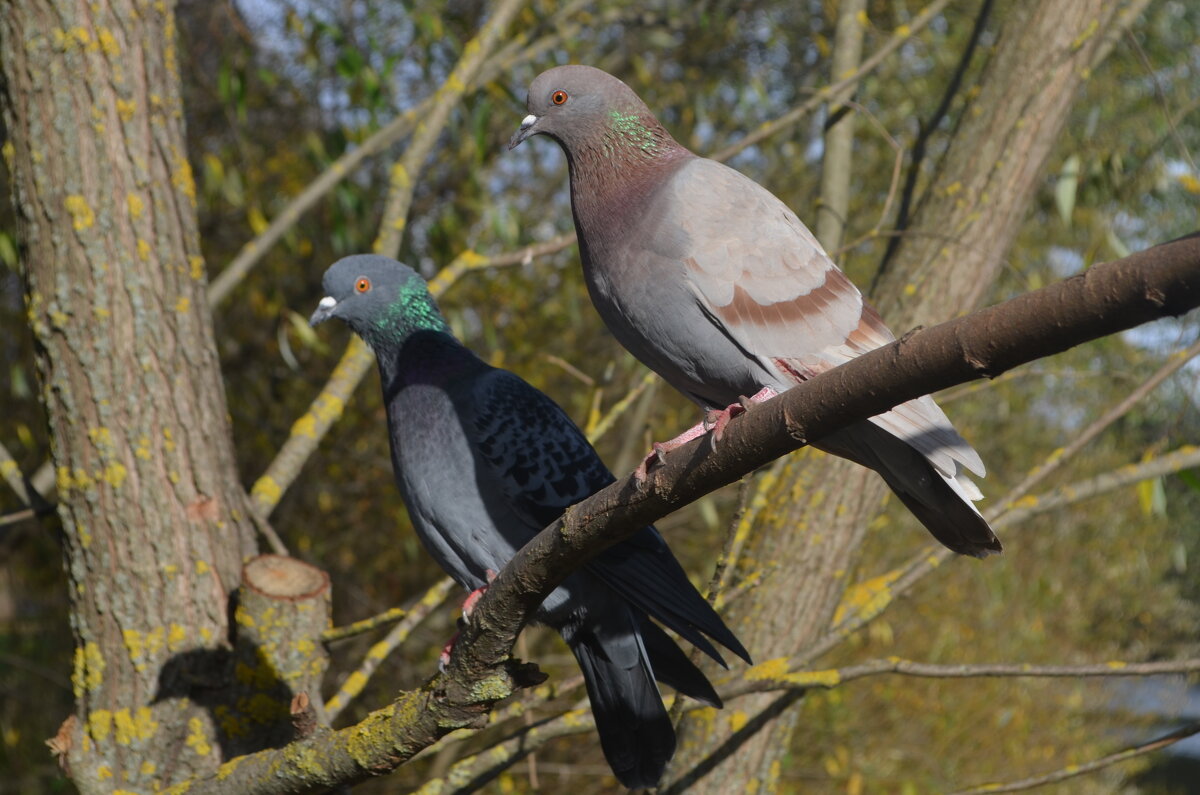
(542, 463)
(779, 296)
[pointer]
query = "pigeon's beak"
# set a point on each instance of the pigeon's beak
(324, 310)
(524, 131)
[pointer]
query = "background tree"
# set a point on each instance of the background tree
(982, 102)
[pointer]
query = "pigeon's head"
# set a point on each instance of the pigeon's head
(380, 299)
(575, 104)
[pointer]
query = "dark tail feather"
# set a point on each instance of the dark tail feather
(947, 513)
(673, 668)
(635, 731)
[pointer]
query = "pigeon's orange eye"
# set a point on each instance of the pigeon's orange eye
(559, 97)
(363, 284)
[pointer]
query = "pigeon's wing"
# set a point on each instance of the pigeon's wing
(540, 463)
(760, 275)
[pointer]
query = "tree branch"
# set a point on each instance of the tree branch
(1071, 771)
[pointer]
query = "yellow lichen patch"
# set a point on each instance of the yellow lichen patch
(867, 598)
(176, 635)
(202, 567)
(266, 490)
(196, 266)
(1116, 665)
(132, 200)
(226, 770)
(328, 408)
(93, 662)
(576, 717)
(827, 678)
(305, 426)
(143, 248)
(262, 708)
(101, 437)
(771, 669)
(304, 759)
(400, 177)
(82, 216)
(182, 177)
(8, 151)
(134, 643)
(197, 740)
(738, 720)
(133, 727)
(99, 724)
(168, 440)
(154, 640)
(104, 772)
(232, 724)
(115, 474)
(101, 313)
(142, 450)
(108, 42)
(148, 768)
(183, 305)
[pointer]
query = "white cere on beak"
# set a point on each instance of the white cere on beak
(528, 121)
(328, 302)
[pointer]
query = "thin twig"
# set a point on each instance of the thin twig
(355, 682)
(389, 616)
(874, 596)
(11, 473)
(1071, 771)
(596, 430)
(898, 38)
(1059, 457)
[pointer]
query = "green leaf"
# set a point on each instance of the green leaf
(1065, 190)
(1190, 478)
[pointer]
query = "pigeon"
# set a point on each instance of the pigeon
(713, 283)
(484, 461)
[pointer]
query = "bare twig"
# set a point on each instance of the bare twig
(1071, 771)
(778, 675)
(596, 430)
(355, 682)
(12, 474)
(872, 597)
(899, 37)
(389, 616)
(1059, 457)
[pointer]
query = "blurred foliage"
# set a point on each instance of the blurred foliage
(276, 90)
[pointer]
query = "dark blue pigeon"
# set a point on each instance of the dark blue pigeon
(485, 461)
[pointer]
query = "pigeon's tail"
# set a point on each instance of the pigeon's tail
(672, 667)
(942, 502)
(635, 731)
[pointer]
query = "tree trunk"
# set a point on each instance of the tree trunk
(155, 522)
(805, 549)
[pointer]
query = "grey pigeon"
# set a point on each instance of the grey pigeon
(712, 282)
(484, 461)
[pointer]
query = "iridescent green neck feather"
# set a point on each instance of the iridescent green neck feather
(412, 310)
(629, 129)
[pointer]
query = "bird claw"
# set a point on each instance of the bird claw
(468, 607)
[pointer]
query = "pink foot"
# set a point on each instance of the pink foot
(714, 421)
(468, 607)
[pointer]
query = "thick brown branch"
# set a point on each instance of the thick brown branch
(1156, 283)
